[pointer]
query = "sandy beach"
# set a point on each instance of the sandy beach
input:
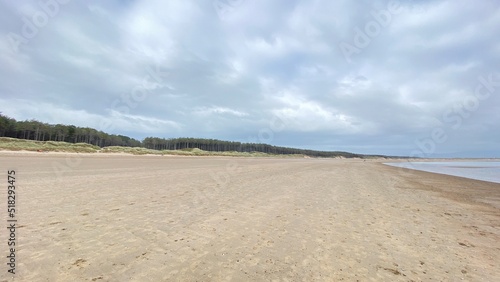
(108, 217)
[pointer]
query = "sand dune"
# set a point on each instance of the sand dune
(149, 218)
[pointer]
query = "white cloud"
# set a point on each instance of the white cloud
(303, 115)
(214, 110)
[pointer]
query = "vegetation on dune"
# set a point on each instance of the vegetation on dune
(129, 150)
(70, 138)
(215, 145)
(15, 144)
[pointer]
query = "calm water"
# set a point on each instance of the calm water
(487, 171)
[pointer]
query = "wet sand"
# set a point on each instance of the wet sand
(105, 217)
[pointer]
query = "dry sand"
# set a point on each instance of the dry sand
(93, 217)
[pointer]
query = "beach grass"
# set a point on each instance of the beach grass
(14, 144)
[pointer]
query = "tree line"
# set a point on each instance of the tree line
(39, 131)
(156, 143)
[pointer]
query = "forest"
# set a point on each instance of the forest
(39, 131)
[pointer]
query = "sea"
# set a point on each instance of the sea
(484, 170)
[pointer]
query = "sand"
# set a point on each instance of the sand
(93, 217)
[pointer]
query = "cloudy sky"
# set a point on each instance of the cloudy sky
(383, 77)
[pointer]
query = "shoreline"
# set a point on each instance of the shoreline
(445, 170)
(457, 188)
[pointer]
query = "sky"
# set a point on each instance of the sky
(407, 77)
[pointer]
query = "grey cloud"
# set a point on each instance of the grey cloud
(227, 74)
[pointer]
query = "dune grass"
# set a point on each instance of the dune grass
(128, 150)
(14, 144)
(188, 152)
